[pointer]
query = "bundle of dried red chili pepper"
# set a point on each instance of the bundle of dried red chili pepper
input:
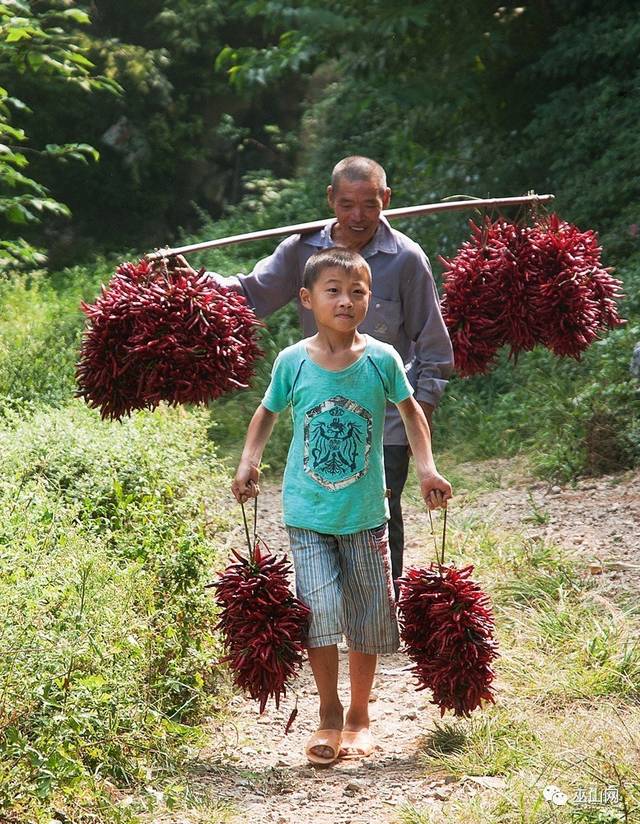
(521, 285)
(446, 625)
(157, 335)
(263, 624)
(576, 295)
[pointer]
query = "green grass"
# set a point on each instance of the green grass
(566, 418)
(568, 694)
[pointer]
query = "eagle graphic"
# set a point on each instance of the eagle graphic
(334, 446)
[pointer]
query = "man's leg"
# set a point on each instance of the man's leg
(396, 469)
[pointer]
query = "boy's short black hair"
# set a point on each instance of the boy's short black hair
(336, 257)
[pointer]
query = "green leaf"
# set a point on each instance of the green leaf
(227, 56)
(8, 156)
(15, 6)
(81, 60)
(16, 134)
(77, 151)
(77, 15)
(35, 60)
(92, 682)
(17, 34)
(50, 205)
(16, 213)
(18, 104)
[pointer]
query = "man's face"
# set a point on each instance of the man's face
(357, 206)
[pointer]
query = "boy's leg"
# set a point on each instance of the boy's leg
(324, 665)
(318, 584)
(396, 469)
(362, 669)
(369, 619)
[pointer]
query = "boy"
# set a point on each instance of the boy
(335, 509)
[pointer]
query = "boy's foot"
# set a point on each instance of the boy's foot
(356, 743)
(324, 746)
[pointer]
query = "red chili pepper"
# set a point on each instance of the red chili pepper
(447, 628)
(144, 319)
(524, 286)
(261, 619)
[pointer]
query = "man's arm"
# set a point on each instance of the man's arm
(245, 483)
(272, 283)
(424, 324)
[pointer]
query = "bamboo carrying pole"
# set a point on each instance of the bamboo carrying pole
(390, 214)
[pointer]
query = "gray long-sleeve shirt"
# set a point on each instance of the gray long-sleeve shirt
(404, 309)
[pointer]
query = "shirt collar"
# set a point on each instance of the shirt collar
(382, 241)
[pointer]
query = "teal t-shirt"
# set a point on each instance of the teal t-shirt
(334, 478)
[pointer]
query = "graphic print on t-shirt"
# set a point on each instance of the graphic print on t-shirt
(337, 442)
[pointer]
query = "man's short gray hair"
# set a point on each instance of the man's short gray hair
(356, 168)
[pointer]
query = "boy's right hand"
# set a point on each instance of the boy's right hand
(245, 484)
(436, 491)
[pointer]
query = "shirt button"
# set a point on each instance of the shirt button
(377, 305)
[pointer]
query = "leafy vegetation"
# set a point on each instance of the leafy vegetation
(39, 46)
(107, 641)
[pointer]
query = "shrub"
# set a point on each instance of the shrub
(108, 535)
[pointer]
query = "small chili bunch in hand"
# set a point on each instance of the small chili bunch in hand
(446, 625)
(263, 624)
(157, 334)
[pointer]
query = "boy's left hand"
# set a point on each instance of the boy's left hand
(435, 491)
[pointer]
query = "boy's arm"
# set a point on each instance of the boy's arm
(245, 484)
(434, 488)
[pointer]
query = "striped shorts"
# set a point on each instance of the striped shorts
(346, 582)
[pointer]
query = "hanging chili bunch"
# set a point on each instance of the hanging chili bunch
(576, 295)
(446, 625)
(158, 335)
(521, 286)
(263, 624)
(472, 302)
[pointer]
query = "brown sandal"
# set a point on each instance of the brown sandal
(323, 738)
(356, 744)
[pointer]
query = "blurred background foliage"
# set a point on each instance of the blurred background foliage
(162, 121)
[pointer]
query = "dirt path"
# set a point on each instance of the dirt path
(264, 773)
(597, 519)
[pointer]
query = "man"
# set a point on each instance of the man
(404, 309)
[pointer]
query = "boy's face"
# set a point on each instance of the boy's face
(338, 299)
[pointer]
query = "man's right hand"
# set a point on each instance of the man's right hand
(183, 266)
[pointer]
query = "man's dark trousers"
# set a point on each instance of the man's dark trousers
(396, 468)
